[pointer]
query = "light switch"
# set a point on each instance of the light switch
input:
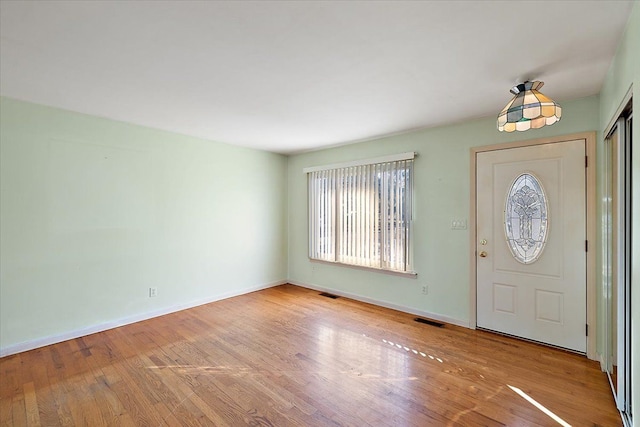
(459, 224)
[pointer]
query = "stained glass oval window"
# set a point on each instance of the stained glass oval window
(525, 218)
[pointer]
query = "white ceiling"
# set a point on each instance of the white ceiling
(292, 76)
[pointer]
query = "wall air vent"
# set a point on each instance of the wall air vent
(429, 322)
(328, 295)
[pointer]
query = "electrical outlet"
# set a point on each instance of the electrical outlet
(153, 292)
(425, 289)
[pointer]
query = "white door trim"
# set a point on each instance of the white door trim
(590, 140)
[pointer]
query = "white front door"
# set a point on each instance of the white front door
(531, 237)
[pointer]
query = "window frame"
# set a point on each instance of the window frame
(332, 180)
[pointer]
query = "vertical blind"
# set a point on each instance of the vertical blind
(361, 215)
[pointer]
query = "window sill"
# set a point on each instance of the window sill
(408, 274)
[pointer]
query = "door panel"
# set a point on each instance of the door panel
(544, 299)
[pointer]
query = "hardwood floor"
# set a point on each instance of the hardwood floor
(286, 356)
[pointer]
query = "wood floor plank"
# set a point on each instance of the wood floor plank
(18, 410)
(6, 416)
(286, 356)
(31, 405)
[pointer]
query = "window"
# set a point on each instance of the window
(361, 213)
(526, 218)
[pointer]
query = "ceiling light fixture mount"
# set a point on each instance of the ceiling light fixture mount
(528, 109)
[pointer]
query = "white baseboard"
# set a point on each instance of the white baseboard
(53, 339)
(433, 316)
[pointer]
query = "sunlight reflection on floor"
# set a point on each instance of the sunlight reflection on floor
(400, 346)
(529, 399)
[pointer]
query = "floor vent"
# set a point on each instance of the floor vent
(328, 295)
(429, 322)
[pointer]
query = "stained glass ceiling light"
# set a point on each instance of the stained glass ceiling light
(528, 109)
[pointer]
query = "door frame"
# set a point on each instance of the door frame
(590, 147)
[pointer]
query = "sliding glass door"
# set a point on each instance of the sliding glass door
(617, 262)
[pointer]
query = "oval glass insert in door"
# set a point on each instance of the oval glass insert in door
(525, 218)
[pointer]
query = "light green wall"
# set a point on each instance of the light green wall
(441, 255)
(94, 212)
(624, 73)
